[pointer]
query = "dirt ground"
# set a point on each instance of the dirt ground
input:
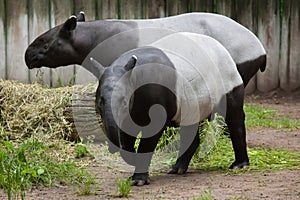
(283, 184)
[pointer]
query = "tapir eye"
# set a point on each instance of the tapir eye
(59, 42)
(46, 46)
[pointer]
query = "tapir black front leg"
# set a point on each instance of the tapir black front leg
(127, 151)
(143, 159)
(235, 119)
(189, 142)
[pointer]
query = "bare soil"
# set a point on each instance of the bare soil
(284, 184)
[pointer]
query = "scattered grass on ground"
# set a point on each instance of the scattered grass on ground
(124, 187)
(216, 153)
(205, 195)
(81, 151)
(241, 197)
(32, 163)
(222, 156)
(258, 116)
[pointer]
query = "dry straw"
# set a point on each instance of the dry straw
(34, 109)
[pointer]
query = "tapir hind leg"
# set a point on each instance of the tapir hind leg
(235, 119)
(189, 142)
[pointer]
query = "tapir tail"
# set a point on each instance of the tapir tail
(248, 69)
(263, 63)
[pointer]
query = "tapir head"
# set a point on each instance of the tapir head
(109, 104)
(60, 46)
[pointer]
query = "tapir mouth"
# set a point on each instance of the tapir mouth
(32, 61)
(34, 64)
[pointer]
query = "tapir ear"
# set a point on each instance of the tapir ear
(70, 24)
(99, 69)
(131, 63)
(81, 17)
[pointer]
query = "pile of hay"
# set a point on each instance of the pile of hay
(32, 109)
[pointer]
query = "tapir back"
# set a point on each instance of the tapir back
(241, 43)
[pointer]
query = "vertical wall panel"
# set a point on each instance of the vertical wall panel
(108, 9)
(88, 7)
(17, 38)
(175, 7)
(154, 9)
(269, 34)
(247, 19)
(284, 64)
(226, 7)
(39, 22)
(201, 5)
(131, 9)
(294, 78)
(62, 11)
(2, 41)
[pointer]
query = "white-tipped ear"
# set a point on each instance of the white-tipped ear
(99, 69)
(81, 17)
(70, 24)
(131, 63)
(134, 57)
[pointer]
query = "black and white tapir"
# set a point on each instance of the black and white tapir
(71, 42)
(178, 80)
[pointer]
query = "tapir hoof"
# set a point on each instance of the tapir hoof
(140, 182)
(140, 179)
(239, 165)
(177, 170)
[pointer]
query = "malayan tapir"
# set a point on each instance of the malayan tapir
(71, 42)
(178, 80)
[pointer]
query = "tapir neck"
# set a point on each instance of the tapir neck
(91, 33)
